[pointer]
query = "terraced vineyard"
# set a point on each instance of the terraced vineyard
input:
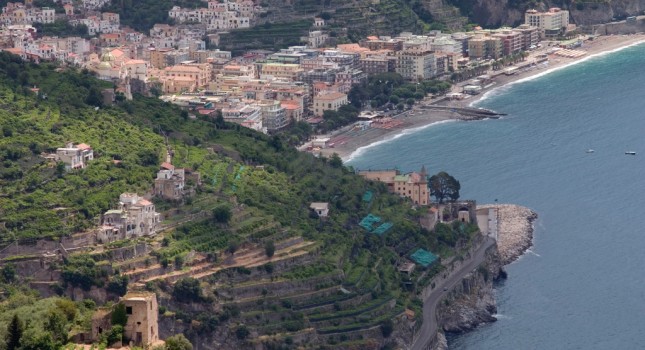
(243, 261)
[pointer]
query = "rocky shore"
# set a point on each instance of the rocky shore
(515, 231)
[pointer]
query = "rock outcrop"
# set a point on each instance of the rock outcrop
(515, 233)
(495, 13)
(472, 302)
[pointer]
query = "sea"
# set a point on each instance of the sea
(560, 150)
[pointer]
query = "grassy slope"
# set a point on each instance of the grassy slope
(275, 198)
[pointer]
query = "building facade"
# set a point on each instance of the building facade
(411, 185)
(551, 23)
(75, 157)
(329, 102)
(135, 217)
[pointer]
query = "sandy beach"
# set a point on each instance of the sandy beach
(350, 139)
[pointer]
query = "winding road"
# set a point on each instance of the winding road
(429, 326)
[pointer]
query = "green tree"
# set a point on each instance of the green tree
(178, 342)
(335, 161)
(119, 315)
(115, 335)
(38, 340)
(222, 214)
(269, 248)
(56, 325)
(8, 273)
(118, 285)
(14, 333)
(187, 290)
(60, 169)
(387, 327)
(68, 308)
(242, 332)
(443, 186)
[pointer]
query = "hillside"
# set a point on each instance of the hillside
(243, 261)
(496, 13)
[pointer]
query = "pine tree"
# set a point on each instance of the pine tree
(14, 333)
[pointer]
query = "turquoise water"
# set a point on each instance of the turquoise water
(582, 285)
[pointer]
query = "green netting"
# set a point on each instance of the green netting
(367, 197)
(368, 221)
(383, 228)
(423, 257)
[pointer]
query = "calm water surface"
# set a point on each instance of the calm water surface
(582, 286)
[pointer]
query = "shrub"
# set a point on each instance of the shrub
(387, 327)
(222, 214)
(242, 332)
(269, 248)
(187, 290)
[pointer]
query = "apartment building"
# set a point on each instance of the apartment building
(550, 23)
(416, 64)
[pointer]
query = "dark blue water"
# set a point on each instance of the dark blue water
(583, 287)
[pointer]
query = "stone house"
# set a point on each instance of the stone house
(321, 209)
(135, 217)
(75, 157)
(170, 182)
(142, 327)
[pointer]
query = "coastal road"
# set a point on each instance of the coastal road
(429, 326)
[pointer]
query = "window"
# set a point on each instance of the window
(128, 310)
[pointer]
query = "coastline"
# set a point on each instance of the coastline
(515, 230)
(355, 143)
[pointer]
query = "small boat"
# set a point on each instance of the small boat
(590, 151)
(631, 153)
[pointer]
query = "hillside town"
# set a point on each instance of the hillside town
(259, 89)
(165, 189)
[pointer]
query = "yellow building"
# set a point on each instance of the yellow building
(412, 185)
(329, 102)
(288, 71)
(485, 47)
(158, 57)
(186, 77)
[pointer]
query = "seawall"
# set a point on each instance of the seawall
(472, 302)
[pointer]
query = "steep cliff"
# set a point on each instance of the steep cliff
(472, 302)
(495, 13)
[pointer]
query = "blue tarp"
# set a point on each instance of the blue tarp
(369, 221)
(423, 257)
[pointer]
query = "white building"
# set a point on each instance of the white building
(415, 64)
(75, 157)
(135, 217)
(550, 23)
(245, 115)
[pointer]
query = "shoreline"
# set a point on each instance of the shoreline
(515, 230)
(351, 143)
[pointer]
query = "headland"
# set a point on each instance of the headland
(514, 231)
(350, 141)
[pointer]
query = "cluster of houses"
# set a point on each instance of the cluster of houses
(219, 15)
(134, 216)
(261, 90)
